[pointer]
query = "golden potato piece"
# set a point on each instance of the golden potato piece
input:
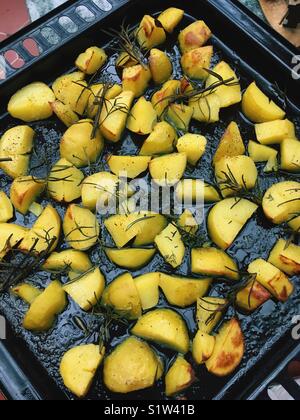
(203, 347)
(214, 262)
(229, 350)
(169, 169)
(123, 296)
(132, 366)
(81, 228)
(148, 289)
(195, 62)
(70, 259)
(170, 245)
(10, 236)
(91, 60)
(188, 222)
(26, 292)
(286, 257)
(170, 18)
(16, 144)
(206, 108)
(165, 327)
(98, 91)
(6, 208)
(227, 218)
(24, 191)
(261, 153)
(272, 279)
(193, 145)
(64, 113)
(290, 155)
(162, 98)
(142, 118)
(258, 107)
(86, 290)
(78, 368)
(282, 202)
(44, 309)
(32, 103)
(64, 182)
(132, 259)
(161, 140)
(180, 115)
(161, 66)
(183, 291)
(150, 34)
(77, 145)
(194, 36)
(209, 313)
(136, 79)
(179, 377)
(44, 234)
(196, 190)
(231, 143)
(275, 132)
(252, 297)
(230, 94)
(128, 166)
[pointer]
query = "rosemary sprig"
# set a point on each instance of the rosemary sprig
(8, 159)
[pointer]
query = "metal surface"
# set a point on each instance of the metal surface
(239, 40)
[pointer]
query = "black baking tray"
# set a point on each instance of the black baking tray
(257, 53)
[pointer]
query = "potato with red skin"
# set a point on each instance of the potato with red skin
(229, 350)
(194, 36)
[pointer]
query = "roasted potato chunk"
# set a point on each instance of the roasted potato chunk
(6, 208)
(194, 36)
(64, 113)
(128, 166)
(169, 169)
(252, 297)
(206, 108)
(179, 377)
(290, 155)
(170, 245)
(195, 62)
(26, 292)
(189, 191)
(68, 260)
(148, 289)
(203, 347)
(170, 18)
(10, 236)
(286, 257)
(161, 66)
(132, 259)
(142, 118)
(214, 262)
(91, 60)
(64, 182)
(150, 34)
(32, 103)
(274, 132)
(161, 141)
(136, 79)
(24, 191)
(209, 313)
(231, 143)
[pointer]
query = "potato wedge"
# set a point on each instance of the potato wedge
(252, 297)
(32, 103)
(24, 191)
(142, 118)
(161, 99)
(165, 327)
(260, 153)
(114, 116)
(203, 347)
(6, 208)
(68, 260)
(71, 89)
(150, 34)
(206, 108)
(78, 368)
(98, 91)
(272, 165)
(227, 218)
(16, 144)
(148, 289)
(160, 65)
(99, 189)
(286, 257)
(128, 166)
(170, 245)
(272, 279)
(229, 95)
(275, 132)
(77, 145)
(194, 36)
(258, 107)
(86, 290)
(290, 155)
(26, 292)
(196, 190)
(179, 377)
(214, 262)
(170, 18)
(209, 313)
(193, 145)
(235, 174)
(294, 223)
(132, 366)
(168, 170)
(64, 182)
(136, 79)
(182, 291)
(229, 350)
(132, 259)
(188, 222)
(91, 60)
(161, 140)
(10, 236)
(44, 234)
(231, 143)
(144, 227)
(122, 294)
(282, 201)
(180, 116)
(195, 62)
(44, 309)
(81, 228)
(64, 113)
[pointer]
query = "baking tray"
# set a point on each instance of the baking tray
(257, 53)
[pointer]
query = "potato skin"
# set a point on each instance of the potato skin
(24, 191)
(194, 36)
(149, 34)
(91, 60)
(195, 62)
(160, 66)
(32, 103)
(132, 366)
(136, 79)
